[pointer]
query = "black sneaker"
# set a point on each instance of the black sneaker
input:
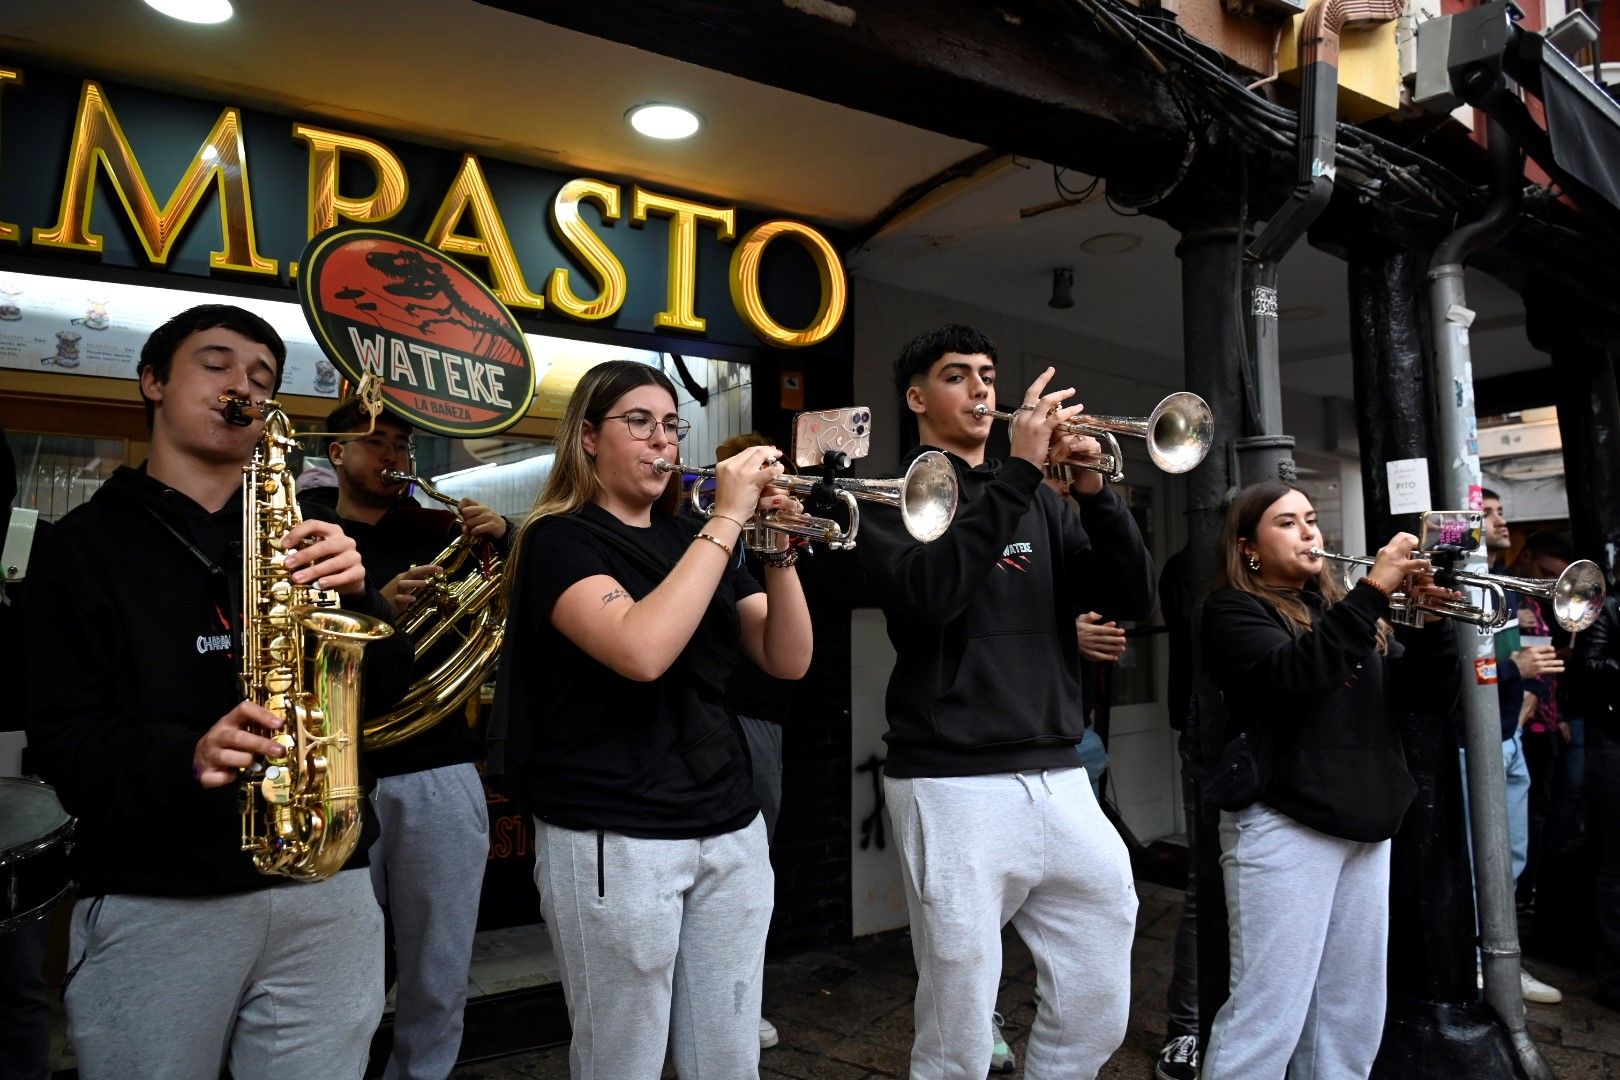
(1179, 1059)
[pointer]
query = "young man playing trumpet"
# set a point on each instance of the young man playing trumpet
(185, 959)
(994, 816)
(427, 867)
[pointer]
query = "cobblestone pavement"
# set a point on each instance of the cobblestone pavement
(845, 1013)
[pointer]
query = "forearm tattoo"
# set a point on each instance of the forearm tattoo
(616, 594)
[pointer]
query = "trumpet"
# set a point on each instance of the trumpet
(1576, 594)
(1179, 432)
(925, 496)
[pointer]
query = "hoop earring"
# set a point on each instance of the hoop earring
(1254, 563)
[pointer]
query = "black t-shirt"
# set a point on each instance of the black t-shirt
(606, 751)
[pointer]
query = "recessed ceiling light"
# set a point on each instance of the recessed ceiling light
(1110, 243)
(194, 11)
(1298, 314)
(658, 121)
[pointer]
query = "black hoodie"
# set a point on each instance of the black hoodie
(982, 619)
(1330, 702)
(131, 657)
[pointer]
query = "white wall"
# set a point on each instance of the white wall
(877, 898)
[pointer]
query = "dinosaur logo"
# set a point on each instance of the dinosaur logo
(452, 358)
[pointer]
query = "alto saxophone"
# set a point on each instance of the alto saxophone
(300, 812)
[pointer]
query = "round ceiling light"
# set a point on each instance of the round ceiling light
(659, 121)
(1110, 243)
(194, 11)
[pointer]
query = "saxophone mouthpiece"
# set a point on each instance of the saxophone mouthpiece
(236, 410)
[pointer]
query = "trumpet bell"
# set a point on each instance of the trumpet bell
(1577, 595)
(928, 496)
(1180, 432)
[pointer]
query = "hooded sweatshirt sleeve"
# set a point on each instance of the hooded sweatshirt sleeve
(1108, 563)
(935, 582)
(96, 755)
(1428, 676)
(1243, 642)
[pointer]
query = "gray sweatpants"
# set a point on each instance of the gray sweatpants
(285, 981)
(980, 851)
(427, 868)
(1309, 916)
(660, 944)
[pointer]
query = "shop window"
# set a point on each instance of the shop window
(55, 473)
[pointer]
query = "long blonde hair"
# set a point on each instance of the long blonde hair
(573, 481)
(1232, 570)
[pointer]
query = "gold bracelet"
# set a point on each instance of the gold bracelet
(721, 544)
(734, 521)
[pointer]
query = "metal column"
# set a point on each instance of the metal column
(1433, 1024)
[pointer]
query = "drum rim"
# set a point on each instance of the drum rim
(39, 846)
(30, 848)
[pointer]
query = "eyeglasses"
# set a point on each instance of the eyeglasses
(380, 445)
(641, 426)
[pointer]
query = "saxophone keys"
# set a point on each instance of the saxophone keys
(276, 787)
(282, 650)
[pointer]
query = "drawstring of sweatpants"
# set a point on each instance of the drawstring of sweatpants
(1022, 779)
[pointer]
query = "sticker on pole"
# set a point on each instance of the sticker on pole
(452, 358)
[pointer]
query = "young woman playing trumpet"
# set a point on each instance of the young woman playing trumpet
(625, 622)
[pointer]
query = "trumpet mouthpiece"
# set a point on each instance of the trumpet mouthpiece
(664, 466)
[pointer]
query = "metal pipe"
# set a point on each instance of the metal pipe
(1460, 482)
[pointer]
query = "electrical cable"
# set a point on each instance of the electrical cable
(1194, 72)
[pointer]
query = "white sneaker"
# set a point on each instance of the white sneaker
(767, 1034)
(1537, 991)
(1002, 1058)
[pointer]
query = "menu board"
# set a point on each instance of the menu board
(75, 326)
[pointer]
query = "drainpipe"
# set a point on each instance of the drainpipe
(1460, 482)
(1269, 454)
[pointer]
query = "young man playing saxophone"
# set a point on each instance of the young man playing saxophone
(994, 816)
(184, 958)
(427, 867)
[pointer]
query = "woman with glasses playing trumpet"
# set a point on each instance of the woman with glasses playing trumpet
(626, 619)
(1314, 674)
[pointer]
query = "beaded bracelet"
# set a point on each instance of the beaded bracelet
(717, 542)
(780, 559)
(1371, 584)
